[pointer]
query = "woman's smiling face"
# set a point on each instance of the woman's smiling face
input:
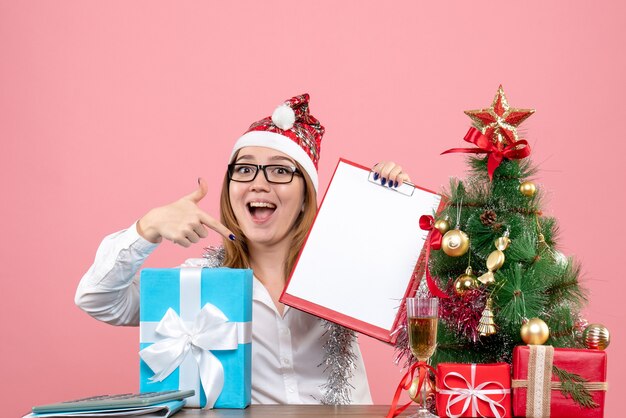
(266, 212)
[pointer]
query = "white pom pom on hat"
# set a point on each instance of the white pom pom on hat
(284, 117)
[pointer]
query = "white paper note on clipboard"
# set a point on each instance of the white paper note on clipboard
(357, 262)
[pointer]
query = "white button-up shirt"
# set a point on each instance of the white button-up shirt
(287, 350)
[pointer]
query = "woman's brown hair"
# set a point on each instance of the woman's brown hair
(237, 251)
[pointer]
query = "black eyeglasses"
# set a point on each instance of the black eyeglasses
(245, 173)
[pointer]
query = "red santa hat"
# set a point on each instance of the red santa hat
(292, 130)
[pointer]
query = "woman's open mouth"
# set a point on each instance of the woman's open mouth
(261, 211)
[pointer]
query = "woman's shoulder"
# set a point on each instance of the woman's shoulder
(213, 257)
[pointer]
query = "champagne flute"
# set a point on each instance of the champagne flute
(422, 316)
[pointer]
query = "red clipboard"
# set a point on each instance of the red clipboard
(360, 256)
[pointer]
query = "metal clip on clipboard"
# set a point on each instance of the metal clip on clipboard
(405, 188)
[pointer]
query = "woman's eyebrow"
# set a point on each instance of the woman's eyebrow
(245, 157)
(281, 158)
(275, 158)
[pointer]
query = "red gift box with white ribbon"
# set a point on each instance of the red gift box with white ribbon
(474, 390)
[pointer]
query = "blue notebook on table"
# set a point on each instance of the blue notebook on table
(153, 404)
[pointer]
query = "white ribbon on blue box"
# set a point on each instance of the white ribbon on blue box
(196, 333)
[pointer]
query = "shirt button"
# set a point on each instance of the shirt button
(286, 361)
(290, 390)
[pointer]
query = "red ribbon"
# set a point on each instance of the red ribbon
(405, 384)
(433, 242)
(516, 151)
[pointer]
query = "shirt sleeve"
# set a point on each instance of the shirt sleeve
(109, 291)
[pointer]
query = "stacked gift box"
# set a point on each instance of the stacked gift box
(546, 382)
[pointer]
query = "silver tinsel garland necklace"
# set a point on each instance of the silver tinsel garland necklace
(339, 359)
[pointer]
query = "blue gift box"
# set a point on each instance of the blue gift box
(183, 293)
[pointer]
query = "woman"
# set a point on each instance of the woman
(268, 204)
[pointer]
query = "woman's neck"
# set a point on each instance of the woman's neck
(268, 264)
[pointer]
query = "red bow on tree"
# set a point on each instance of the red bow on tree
(515, 151)
(433, 242)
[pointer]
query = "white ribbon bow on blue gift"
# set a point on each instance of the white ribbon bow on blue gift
(210, 331)
(472, 393)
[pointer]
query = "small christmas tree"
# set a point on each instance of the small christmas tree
(512, 250)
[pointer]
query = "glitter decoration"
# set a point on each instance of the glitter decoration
(500, 121)
(214, 256)
(422, 289)
(402, 350)
(339, 362)
(463, 313)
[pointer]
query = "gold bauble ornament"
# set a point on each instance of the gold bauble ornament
(596, 337)
(455, 243)
(465, 282)
(535, 332)
(486, 325)
(442, 225)
(528, 188)
(419, 397)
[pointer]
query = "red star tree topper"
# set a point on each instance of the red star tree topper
(500, 121)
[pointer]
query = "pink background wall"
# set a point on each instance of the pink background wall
(110, 108)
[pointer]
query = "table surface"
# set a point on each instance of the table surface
(275, 411)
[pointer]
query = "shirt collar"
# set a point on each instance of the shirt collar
(260, 294)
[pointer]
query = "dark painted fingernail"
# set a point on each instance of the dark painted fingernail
(376, 175)
(232, 237)
(198, 181)
(395, 184)
(383, 181)
(390, 184)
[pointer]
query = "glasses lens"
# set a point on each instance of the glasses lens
(242, 172)
(279, 173)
